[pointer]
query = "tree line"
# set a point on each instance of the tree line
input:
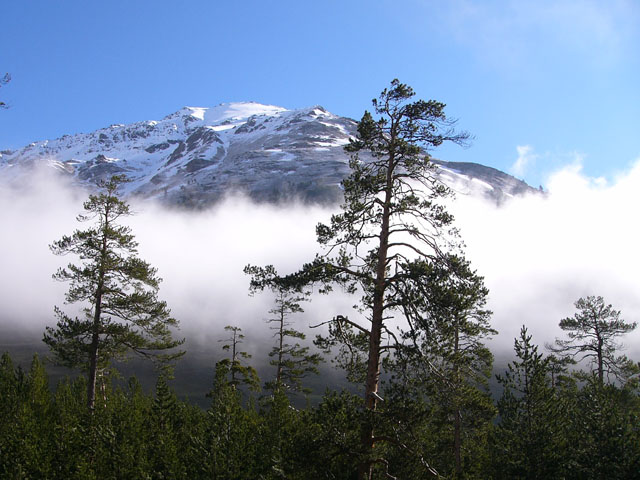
(414, 345)
(549, 423)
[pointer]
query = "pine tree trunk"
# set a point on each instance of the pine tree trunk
(233, 360)
(280, 350)
(365, 470)
(97, 314)
(600, 362)
(93, 371)
(94, 350)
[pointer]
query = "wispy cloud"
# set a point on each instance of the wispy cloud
(519, 32)
(525, 158)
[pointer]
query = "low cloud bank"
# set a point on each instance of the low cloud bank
(538, 255)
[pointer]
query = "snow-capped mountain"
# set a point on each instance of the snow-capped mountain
(196, 155)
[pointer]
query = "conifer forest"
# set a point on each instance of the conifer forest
(413, 349)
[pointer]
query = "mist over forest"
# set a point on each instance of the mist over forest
(538, 255)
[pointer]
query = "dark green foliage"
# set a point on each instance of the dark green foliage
(125, 433)
(229, 442)
(26, 429)
(441, 372)
(332, 432)
(590, 433)
(605, 434)
(280, 430)
(131, 435)
(530, 441)
(167, 421)
(11, 386)
(560, 376)
(118, 290)
(71, 432)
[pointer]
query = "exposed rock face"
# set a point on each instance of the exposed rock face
(196, 155)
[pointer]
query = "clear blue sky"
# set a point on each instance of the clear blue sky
(551, 82)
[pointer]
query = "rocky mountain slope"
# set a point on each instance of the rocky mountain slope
(196, 155)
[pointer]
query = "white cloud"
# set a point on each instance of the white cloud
(538, 255)
(541, 253)
(199, 255)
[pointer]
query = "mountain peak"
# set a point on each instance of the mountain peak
(196, 155)
(225, 113)
(239, 111)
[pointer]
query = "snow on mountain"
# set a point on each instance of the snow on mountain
(196, 155)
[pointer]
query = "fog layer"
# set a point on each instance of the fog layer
(538, 255)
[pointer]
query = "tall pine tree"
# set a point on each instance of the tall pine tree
(118, 291)
(390, 217)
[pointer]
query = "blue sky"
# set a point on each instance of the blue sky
(540, 84)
